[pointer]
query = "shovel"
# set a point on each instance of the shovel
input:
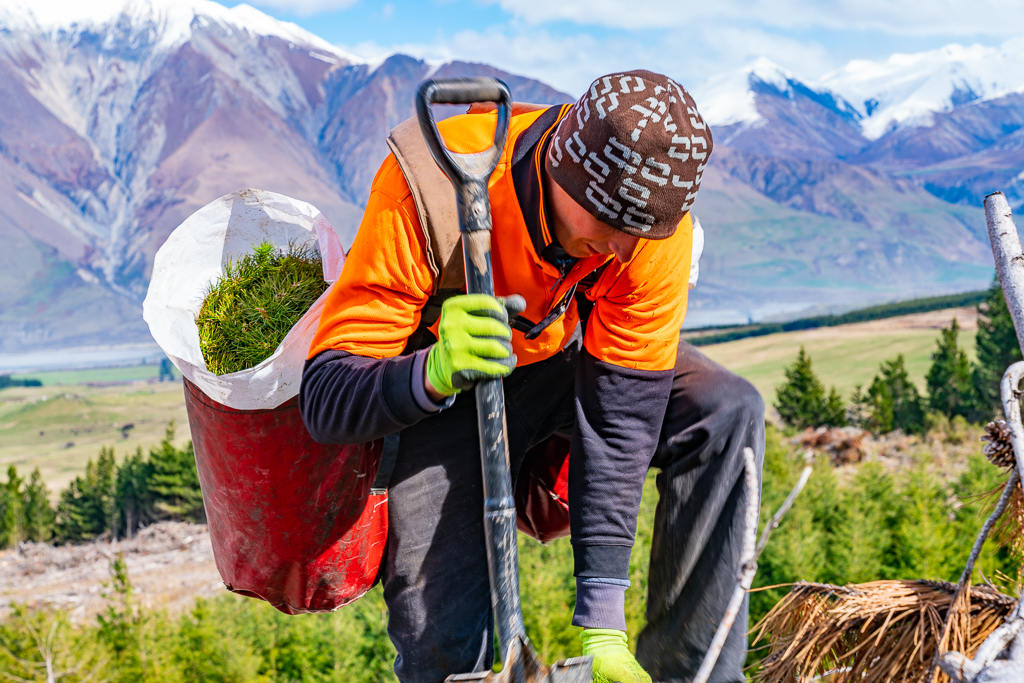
(469, 174)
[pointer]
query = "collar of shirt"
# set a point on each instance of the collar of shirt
(527, 165)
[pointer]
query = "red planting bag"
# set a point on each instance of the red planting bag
(292, 521)
(542, 491)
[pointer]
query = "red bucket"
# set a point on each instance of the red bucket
(292, 521)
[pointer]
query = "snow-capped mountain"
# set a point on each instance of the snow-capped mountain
(949, 119)
(119, 119)
(904, 90)
(909, 89)
(122, 117)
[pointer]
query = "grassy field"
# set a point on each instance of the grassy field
(847, 355)
(58, 429)
(131, 373)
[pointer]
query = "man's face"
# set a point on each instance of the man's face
(582, 235)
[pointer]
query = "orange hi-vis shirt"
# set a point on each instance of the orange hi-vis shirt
(375, 304)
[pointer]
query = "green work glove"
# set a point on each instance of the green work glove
(612, 659)
(473, 341)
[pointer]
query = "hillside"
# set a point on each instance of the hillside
(846, 355)
(60, 428)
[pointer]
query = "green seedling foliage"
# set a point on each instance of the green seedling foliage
(247, 313)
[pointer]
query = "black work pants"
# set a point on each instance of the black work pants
(435, 570)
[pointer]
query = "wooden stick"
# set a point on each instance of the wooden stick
(965, 577)
(1009, 387)
(1007, 252)
(773, 523)
(747, 569)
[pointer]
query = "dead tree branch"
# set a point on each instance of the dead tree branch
(1000, 659)
(957, 604)
(747, 568)
(751, 553)
(773, 523)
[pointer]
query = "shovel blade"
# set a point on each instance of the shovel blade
(523, 666)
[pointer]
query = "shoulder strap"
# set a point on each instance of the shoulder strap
(434, 197)
(435, 202)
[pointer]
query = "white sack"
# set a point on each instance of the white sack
(193, 258)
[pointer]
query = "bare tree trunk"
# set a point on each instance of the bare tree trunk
(1000, 659)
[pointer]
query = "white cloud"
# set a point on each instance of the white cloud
(908, 17)
(305, 8)
(570, 63)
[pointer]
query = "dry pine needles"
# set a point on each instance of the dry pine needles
(247, 313)
(870, 633)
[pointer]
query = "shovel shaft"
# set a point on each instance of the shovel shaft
(499, 505)
(469, 174)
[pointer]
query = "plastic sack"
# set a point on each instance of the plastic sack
(193, 258)
(291, 521)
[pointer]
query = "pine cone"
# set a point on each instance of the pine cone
(998, 448)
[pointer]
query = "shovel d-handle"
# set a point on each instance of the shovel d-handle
(465, 170)
(469, 174)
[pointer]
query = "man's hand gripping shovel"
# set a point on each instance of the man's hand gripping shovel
(469, 174)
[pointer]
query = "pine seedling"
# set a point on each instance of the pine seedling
(247, 313)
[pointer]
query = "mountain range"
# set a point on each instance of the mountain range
(861, 187)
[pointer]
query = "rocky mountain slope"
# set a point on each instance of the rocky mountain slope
(117, 126)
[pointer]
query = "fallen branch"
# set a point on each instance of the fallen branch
(747, 569)
(773, 523)
(1001, 657)
(876, 632)
(751, 553)
(957, 606)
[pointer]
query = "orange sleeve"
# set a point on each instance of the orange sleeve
(375, 304)
(640, 306)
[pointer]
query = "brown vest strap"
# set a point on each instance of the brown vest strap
(434, 197)
(435, 203)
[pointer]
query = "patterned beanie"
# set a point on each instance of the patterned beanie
(632, 151)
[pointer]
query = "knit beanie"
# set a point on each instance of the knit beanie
(632, 151)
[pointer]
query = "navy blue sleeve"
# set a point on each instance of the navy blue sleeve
(619, 412)
(352, 399)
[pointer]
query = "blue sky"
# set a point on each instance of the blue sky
(567, 43)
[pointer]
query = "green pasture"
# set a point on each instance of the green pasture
(58, 429)
(133, 373)
(844, 356)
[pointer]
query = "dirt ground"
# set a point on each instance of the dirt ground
(170, 564)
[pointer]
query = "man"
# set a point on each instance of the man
(592, 238)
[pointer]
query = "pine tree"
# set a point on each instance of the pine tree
(12, 527)
(894, 401)
(802, 402)
(997, 349)
(134, 500)
(174, 481)
(121, 624)
(88, 506)
(38, 515)
(104, 493)
(73, 524)
(859, 412)
(950, 390)
(835, 411)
